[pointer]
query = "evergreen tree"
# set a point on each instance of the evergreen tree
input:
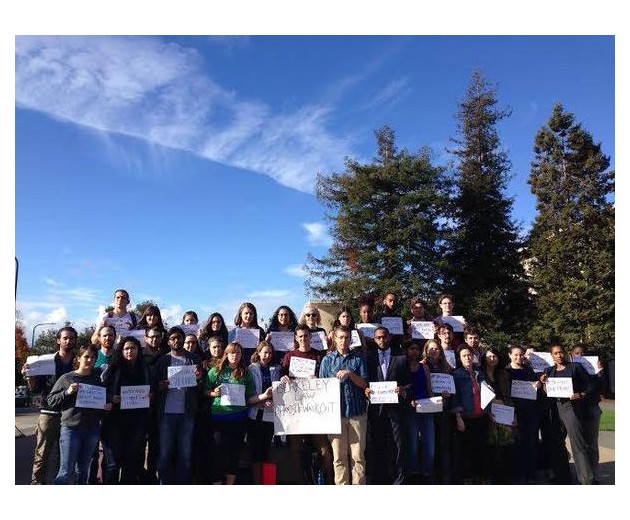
(572, 262)
(484, 273)
(385, 224)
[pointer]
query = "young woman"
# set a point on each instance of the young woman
(80, 427)
(151, 317)
(246, 318)
(260, 424)
(126, 441)
(344, 318)
(229, 421)
(215, 326)
(190, 318)
(283, 320)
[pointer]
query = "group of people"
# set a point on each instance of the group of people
(195, 434)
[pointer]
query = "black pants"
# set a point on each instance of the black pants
(228, 438)
(472, 448)
(385, 455)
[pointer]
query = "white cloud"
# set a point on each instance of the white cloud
(57, 315)
(268, 294)
(296, 270)
(391, 93)
(317, 234)
(53, 283)
(158, 91)
(172, 314)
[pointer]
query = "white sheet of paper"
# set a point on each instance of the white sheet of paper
(442, 382)
(450, 357)
(540, 360)
(430, 405)
(422, 329)
(248, 338)
(282, 341)
(232, 395)
(139, 334)
(393, 324)
(367, 329)
(523, 389)
(559, 387)
(457, 322)
(318, 340)
(502, 414)
(302, 367)
(487, 394)
(181, 376)
(383, 392)
(43, 365)
(90, 396)
(122, 325)
(134, 396)
(355, 339)
(190, 329)
(588, 362)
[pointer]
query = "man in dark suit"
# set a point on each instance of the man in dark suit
(385, 448)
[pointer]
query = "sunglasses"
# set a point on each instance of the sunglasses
(312, 314)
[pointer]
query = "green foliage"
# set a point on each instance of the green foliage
(484, 262)
(572, 241)
(385, 224)
(607, 421)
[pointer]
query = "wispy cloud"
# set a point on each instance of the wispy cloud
(53, 283)
(317, 234)
(393, 92)
(296, 270)
(272, 293)
(159, 91)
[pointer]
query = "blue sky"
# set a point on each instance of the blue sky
(183, 168)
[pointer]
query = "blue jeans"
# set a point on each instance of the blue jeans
(420, 437)
(76, 447)
(176, 436)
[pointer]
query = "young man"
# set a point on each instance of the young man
(389, 311)
(349, 367)
(46, 457)
(471, 338)
(119, 317)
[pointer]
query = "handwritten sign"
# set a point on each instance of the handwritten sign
(588, 362)
(232, 395)
(306, 406)
(181, 376)
(121, 324)
(383, 392)
(422, 329)
(139, 334)
(457, 322)
(502, 414)
(355, 339)
(430, 405)
(191, 328)
(282, 341)
(442, 383)
(450, 357)
(367, 329)
(318, 340)
(248, 338)
(90, 396)
(136, 396)
(540, 360)
(301, 367)
(487, 394)
(40, 365)
(523, 390)
(393, 324)
(559, 387)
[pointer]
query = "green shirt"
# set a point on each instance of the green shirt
(228, 412)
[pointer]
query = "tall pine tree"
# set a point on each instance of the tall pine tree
(384, 220)
(573, 237)
(485, 273)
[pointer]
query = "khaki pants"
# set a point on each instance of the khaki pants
(46, 457)
(349, 450)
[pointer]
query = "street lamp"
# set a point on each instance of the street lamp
(33, 339)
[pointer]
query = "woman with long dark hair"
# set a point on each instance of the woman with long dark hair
(214, 327)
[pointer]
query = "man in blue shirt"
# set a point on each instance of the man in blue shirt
(349, 367)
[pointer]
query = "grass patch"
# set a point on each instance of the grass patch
(607, 421)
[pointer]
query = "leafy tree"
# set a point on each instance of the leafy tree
(484, 267)
(572, 240)
(141, 307)
(385, 225)
(21, 351)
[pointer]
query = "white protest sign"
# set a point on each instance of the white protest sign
(559, 387)
(191, 328)
(431, 405)
(367, 329)
(301, 367)
(282, 341)
(588, 362)
(248, 338)
(450, 357)
(487, 394)
(540, 360)
(232, 395)
(134, 396)
(393, 324)
(307, 406)
(383, 392)
(181, 376)
(318, 340)
(122, 324)
(457, 322)
(422, 329)
(524, 389)
(90, 396)
(355, 339)
(502, 414)
(40, 365)
(442, 382)
(139, 334)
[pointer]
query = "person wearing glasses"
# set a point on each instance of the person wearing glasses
(282, 320)
(446, 306)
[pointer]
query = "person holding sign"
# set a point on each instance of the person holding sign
(46, 456)
(523, 385)
(472, 424)
(118, 317)
(446, 306)
(190, 318)
(282, 320)
(389, 311)
(231, 388)
(176, 410)
(571, 408)
(349, 367)
(106, 339)
(247, 318)
(311, 317)
(124, 444)
(385, 421)
(344, 318)
(418, 313)
(80, 426)
(214, 327)
(151, 317)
